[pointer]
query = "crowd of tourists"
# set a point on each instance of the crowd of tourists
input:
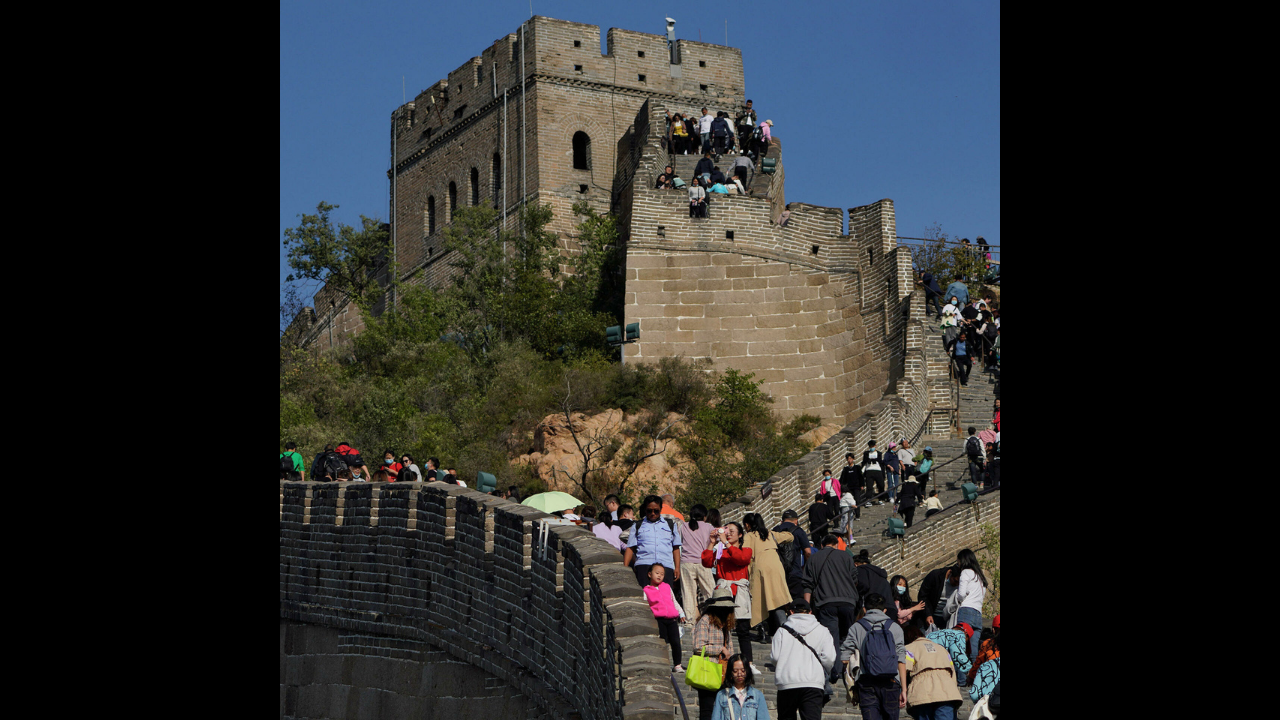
(714, 136)
(344, 463)
(831, 615)
(970, 325)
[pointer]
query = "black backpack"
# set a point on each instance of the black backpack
(333, 464)
(881, 658)
(719, 127)
(990, 333)
(973, 446)
(787, 554)
(286, 462)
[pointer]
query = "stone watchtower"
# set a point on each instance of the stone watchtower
(821, 315)
(549, 122)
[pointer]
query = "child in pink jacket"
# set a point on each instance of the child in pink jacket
(662, 600)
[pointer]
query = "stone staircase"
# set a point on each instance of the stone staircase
(977, 399)
(684, 165)
(838, 709)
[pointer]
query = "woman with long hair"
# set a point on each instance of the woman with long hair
(969, 597)
(738, 697)
(712, 632)
(732, 562)
(769, 590)
(902, 598)
(697, 582)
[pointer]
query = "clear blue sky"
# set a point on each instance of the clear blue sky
(874, 100)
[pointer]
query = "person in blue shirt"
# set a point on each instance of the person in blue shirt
(960, 353)
(960, 290)
(654, 541)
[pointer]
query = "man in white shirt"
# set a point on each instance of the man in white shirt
(704, 129)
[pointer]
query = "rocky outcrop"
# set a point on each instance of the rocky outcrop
(554, 452)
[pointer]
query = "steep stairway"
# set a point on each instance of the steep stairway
(977, 399)
(684, 165)
(838, 709)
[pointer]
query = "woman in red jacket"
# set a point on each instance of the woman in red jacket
(732, 563)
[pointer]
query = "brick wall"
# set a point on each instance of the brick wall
(907, 412)
(928, 546)
(816, 314)
(446, 568)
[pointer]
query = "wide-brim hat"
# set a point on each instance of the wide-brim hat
(721, 598)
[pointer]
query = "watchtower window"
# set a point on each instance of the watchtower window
(639, 53)
(431, 215)
(577, 68)
(479, 73)
(641, 78)
(453, 200)
(457, 114)
(475, 187)
(702, 63)
(581, 151)
(577, 43)
(871, 256)
(703, 88)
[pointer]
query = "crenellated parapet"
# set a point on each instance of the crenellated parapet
(553, 614)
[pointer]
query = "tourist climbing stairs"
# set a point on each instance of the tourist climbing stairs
(684, 165)
(837, 709)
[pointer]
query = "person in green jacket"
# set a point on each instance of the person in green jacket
(923, 465)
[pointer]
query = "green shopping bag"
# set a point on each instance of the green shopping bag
(704, 673)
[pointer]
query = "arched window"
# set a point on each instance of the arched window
(453, 199)
(497, 179)
(475, 187)
(431, 215)
(581, 151)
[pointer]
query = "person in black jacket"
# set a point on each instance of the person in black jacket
(931, 293)
(874, 580)
(908, 499)
(704, 166)
(819, 516)
(873, 470)
(931, 593)
(830, 588)
(851, 481)
(802, 548)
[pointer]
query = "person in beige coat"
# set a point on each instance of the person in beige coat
(930, 679)
(768, 578)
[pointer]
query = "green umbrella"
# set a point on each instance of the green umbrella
(550, 502)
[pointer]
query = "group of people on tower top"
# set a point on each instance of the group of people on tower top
(717, 135)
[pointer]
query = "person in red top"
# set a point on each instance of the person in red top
(390, 464)
(732, 563)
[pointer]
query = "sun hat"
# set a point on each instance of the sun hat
(721, 598)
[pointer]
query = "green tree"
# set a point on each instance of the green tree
(345, 258)
(989, 559)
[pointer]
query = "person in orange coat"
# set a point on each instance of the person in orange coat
(732, 563)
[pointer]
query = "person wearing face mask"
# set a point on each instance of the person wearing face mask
(902, 598)
(389, 463)
(829, 488)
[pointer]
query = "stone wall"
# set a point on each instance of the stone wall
(331, 673)
(928, 546)
(557, 619)
(816, 314)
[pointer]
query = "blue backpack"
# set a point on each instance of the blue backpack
(881, 657)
